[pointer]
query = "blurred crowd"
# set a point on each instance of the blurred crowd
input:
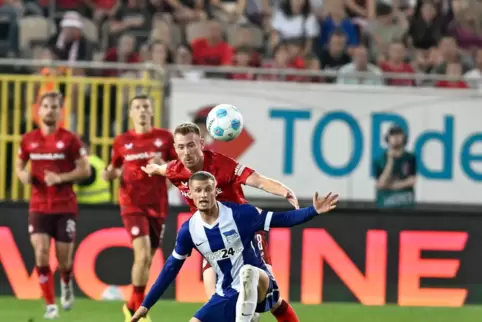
(372, 36)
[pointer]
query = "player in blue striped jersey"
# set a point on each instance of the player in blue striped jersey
(223, 234)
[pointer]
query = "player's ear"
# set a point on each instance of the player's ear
(202, 144)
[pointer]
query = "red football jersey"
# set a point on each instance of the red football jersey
(56, 152)
(138, 191)
(229, 174)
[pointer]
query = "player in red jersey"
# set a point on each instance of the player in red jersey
(143, 199)
(230, 176)
(57, 159)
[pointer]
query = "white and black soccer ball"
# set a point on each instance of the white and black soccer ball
(224, 122)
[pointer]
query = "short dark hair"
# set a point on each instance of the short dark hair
(54, 95)
(186, 128)
(202, 176)
(139, 97)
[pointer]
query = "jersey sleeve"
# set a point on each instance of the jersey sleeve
(116, 157)
(184, 243)
(170, 169)
(76, 148)
(232, 170)
(22, 151)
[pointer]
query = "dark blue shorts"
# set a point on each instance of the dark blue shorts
(220, 308)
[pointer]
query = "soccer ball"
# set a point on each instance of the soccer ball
(224, 122)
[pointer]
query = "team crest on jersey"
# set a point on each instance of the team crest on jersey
(60, 145)
(231, 236)
(128, 146)
(34, 145)
(158, 143)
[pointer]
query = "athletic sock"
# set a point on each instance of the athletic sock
(285, 313)
(46, 284)
(66, 276)
(137, 296)
(248, 296)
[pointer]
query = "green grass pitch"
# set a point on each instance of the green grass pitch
(13, 310)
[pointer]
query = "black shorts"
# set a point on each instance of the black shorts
(61, 227)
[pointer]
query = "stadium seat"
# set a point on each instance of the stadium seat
(91, 31)
(196, 30)
(257, 34)
(34, 28)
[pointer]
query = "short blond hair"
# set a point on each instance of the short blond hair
(187, 128)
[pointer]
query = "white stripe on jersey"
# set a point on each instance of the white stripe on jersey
(267, 221)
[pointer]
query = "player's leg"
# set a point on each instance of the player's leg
(209, 279)
(40, 229)
(284, 311)
(64, 246)
(138, 228)
(251, 279)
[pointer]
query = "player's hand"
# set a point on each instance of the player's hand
(140, 313)
(325, 204)
(25, 177)
(51, 178)
(157, 160)
(293, 200)
(151, 169)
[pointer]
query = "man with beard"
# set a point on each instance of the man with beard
(395, 171)
(57, 160)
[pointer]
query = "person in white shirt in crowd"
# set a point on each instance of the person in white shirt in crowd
(360, 64)
(292, 20)
(474, 76)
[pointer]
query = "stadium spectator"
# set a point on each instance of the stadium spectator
(70, 43)
(335, 56)
(135, 17)
(183, 57)
(453, 69)
(244, 38)
(229, 11)
(293, 19)
(159, 54)
(161, 31)
(360, 9)
(474, 76)
(337, 21)
(450, 53)
(9, 30)
(426, 28)
(101, 10)
(281, 60)
(396, 64)
(385, 29)
(395, 171)
(124, 52)
(466, 29)
(212, 50)
(360, 64)
(312, 62)
(243, 59)
(181, 11)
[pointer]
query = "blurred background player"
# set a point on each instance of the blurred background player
(396, 172)
(222, 232)
(57, 159)
(143, 199)
(230, 176)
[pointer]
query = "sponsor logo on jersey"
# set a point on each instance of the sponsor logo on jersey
(142, 156)
(223, 254)
(128, 146)
(47, 156)
(231, 236)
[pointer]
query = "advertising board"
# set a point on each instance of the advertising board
(409, 258)
(311, 136)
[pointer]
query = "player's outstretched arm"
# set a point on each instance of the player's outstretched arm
(168, 275)
(266, 219)
(154, 169)
(272, 186)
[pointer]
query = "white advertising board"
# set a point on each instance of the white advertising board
(325, 137)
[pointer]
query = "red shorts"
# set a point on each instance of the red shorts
(262, 243)
(61, 227)
(138, 225)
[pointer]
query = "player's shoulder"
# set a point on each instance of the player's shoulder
(120, 138)
(32, 135)
(67, 134)
(239, 208)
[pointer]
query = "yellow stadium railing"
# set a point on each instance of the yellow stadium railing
(94, 106)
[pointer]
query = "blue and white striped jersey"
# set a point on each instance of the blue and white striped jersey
(227, 244)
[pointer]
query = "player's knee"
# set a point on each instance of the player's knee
(41, 254)
(142, 258)
(247, 272)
